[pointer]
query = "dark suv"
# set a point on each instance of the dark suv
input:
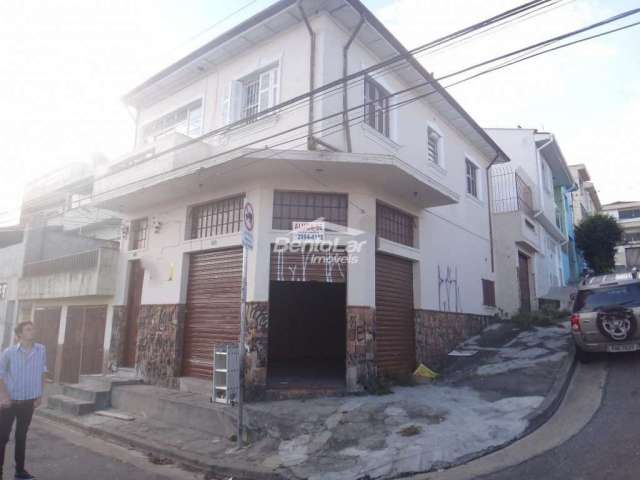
(605, 316)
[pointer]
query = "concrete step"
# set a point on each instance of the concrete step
(111, 380)
(99, 395)
(70, 405)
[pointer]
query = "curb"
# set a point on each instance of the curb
(191, 461)
(536, 419)
(554, 398)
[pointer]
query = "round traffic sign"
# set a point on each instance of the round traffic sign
(248, 216)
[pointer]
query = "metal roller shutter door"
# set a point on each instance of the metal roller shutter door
(395, 331)
(213, 308)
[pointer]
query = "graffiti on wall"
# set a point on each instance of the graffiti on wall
(449, 297)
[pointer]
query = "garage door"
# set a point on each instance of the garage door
(395, 332)
(213, 308)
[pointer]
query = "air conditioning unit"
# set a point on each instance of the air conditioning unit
(226, 373)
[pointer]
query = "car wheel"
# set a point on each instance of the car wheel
(582, 356)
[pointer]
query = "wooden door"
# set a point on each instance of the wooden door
(47, 323)
(92, 357)
(395, 330)
(213, 308)
(72, 350)
(134, 299)
(523, 280)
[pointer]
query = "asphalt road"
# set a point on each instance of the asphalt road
(55, 453)
(608, 447)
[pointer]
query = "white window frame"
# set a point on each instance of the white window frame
(478, 178)
(441, 163)
(383, 91)
(234, 98)
(168, 131)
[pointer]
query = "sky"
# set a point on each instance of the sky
(65, 65)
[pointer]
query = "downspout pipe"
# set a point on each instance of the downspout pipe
(489, 208)
(539, 159)
(312, 73)
(345, 72)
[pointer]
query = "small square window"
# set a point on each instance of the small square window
(472, 178)
(434, 149)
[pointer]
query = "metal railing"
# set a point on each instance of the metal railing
(511, 193)
(79, 261)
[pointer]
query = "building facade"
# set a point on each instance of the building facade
(530, 218)
(60, 272)
(585, 197)
(392, 187)
(628, 216)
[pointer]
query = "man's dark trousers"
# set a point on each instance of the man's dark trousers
(21, 411)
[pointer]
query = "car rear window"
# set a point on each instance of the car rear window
(593, 300)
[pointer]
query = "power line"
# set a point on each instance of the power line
(405, 55)
(420, 85)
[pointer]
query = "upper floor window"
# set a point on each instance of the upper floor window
(139, 233)
(247, 97)
(628, 214)
(434, 146)
(488, 293)
(472, 177)
(3, 291)
(186, 120)
(395, 225)
(376, 106)
(289, 207)
(631, 237)
(216, 218)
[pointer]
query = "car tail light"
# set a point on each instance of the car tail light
(575, 322)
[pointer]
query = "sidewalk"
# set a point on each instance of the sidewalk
(508, 387)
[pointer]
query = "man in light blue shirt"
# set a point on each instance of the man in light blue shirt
(22, 369)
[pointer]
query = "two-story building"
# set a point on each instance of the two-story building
(58, 269)
(387, 189)
(586, 201)
(529, 210)
(628, 216)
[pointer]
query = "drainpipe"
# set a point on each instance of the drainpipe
(312, 71)
(489, 208)
(345, 72)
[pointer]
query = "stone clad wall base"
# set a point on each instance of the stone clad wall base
(160, 343)
(116, 347)
(437, 333)
(256, 341)
(361, 357)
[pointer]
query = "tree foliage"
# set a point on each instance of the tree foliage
(597, 236)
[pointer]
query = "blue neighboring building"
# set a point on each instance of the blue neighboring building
(571, 260)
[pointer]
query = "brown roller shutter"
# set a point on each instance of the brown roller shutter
(395, 332)
(213, 308)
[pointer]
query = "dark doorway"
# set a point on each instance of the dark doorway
(523, 280)
(307, 334)
(134, 299)
(47, 323)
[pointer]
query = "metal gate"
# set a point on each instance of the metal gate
(395, 330)
(213, 308)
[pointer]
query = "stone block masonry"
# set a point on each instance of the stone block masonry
(361, 354)
(160, 343)
(437, 333)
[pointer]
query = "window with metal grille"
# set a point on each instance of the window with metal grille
(376, 106)
(289, 207)
(139, 233)
(488, 293)
(433, 146)
(216, 218)
(394, 225)
(472, 178)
